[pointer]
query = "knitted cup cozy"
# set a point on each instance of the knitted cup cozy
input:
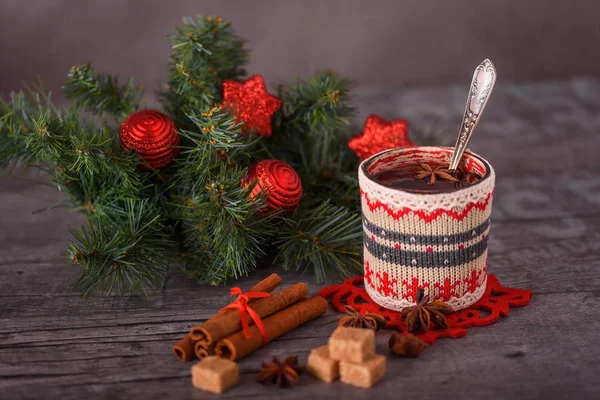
(434, 241)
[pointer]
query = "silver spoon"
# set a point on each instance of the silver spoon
(482, 85)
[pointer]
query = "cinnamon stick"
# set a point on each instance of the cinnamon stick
(184, 349)
(268, 284)
(237, 346)
(226, 324)
(202, 352)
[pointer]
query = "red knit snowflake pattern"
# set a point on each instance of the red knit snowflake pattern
(386, 285)
(368, 273)
(411, 288)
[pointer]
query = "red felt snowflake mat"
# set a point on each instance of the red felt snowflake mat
(496, 302)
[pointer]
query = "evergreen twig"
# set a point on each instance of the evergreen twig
(17, 116)
(205, 52)
(101, 93)
(316, 113)
(319, 105)
(327, 239)
(224, 232)
(128, 250)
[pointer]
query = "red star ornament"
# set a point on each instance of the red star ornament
(251, 103)
(378, 135)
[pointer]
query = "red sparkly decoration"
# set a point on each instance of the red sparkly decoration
(280, 182)
(495, 303)
(378, 135)
(153, 135)
(251, 103)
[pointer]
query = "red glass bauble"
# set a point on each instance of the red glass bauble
(153, 135)
(279, 181)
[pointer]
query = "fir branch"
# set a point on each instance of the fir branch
(224, 233)
(209, 42)
(85, 161)
(101, 93)
(326, 238)
(315, 112)
(125, 241)
(127, 250)
(214, 139)
(89, 151)
(47, 137)
(335, 179)
(319, 106)
(93, 157)
(205, 52)
(96, 194)
(18, 117)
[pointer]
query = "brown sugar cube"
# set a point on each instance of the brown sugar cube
(353, 345)
(321, 366)
(363, 375)
(215, 374)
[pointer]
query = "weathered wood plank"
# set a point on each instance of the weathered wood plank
(490, 362)
(542, 141)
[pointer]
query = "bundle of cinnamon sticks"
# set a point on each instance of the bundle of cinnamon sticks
(280, 313)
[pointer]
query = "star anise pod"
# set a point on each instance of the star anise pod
(407, 345)
(462, 176)
(282, 374)
(439, 172)
(419, 317)
(355, 319)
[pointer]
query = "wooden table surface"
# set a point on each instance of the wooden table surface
(544, 142)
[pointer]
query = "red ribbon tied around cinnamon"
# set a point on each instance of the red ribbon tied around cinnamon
(241, 305)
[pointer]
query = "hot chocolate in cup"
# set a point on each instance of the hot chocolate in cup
(425, 236)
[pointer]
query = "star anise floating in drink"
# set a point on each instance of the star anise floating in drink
(435, 173)
(282, 374)
(419, 317)
(355, 319)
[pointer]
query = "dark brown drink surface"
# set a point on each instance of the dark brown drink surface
(404, 179)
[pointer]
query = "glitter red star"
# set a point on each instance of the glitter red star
(251, 103)
(378, 135)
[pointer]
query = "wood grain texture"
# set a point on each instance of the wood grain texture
(545, 236)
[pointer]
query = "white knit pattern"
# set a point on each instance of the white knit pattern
(457, 303)
(460, 277)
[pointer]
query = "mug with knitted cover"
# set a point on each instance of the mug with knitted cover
(434, 241)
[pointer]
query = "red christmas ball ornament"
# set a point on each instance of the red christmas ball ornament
(378, 135)
(279, 181)
(251, 104)
(153, 135)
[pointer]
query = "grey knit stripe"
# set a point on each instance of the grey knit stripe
(435, 259)
(425, 240)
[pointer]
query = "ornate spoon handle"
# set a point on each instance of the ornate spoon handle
(482, 85)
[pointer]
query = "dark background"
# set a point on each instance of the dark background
(377, 42)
